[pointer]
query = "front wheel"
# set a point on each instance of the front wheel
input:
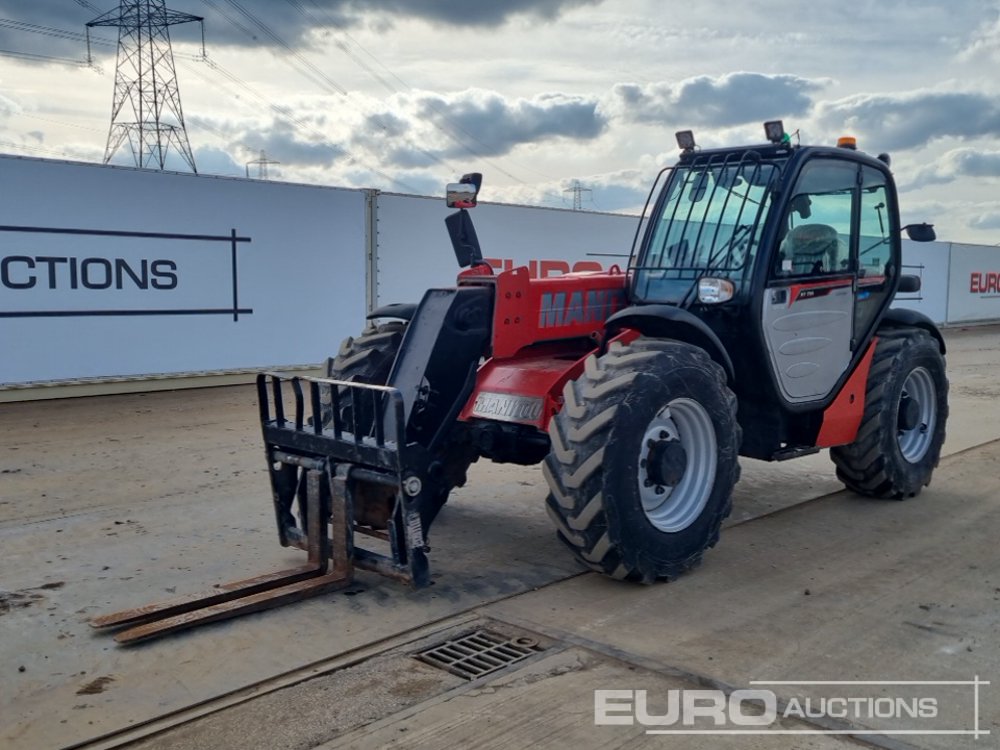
(643, 460)
(902, 430)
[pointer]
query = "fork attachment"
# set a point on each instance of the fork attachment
(342, 469)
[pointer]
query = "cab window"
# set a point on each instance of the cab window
(817, 226)
(875, 270)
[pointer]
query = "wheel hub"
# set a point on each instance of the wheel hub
(677, 462)
(667, 462)
(909, 413)
(918, 416)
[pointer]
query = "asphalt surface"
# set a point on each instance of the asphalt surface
(110, 502)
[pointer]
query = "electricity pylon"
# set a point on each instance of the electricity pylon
(577, 190)
(146, 109)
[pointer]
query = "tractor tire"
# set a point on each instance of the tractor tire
(369, 359)
(644, 459)
(366, 359)
(898, 444)
(370, 355)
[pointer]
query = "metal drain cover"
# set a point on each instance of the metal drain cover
(478, 653)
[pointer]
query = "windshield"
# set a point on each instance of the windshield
(707, 223)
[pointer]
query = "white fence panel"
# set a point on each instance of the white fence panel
(414, 252)
(974, 284)
(929, 261)
(110, 272)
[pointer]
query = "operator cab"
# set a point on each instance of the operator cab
(789, 254)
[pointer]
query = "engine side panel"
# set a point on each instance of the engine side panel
(531, 311)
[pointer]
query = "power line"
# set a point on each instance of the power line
(88, 6)
(281, 111)
(37, 149)
(343, 47)
(325, 81)
(9, 23)
(43, 58)
(59, 122)
(318, 75)
(286, 113)
(408, 87)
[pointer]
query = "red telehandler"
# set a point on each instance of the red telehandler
(753, 319)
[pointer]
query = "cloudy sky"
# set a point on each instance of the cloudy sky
(404, 95)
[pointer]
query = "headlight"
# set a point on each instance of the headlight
(714, 291)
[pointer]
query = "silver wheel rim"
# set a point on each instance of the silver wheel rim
(915, 443)
(673, 509)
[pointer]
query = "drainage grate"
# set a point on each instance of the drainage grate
(478, 653)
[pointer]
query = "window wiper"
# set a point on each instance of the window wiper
(872, 247)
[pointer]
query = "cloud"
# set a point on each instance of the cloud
(8, 107)
(491, 13)
(263, 21)
(988, 220)
(497, 124)
(957, 163)
(213, 160)
(422, 128)
(724, 101)
(984, 43)
(280, 142)
(913, 119)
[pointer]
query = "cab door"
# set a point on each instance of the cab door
(877, 237)
(809, 303)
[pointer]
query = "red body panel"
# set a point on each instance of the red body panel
(537, 379)
(529, 311)
(842, 418)
(540, 331)
(538, 375)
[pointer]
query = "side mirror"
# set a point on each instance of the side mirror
(920, 232)
(462, 194)
(908, 284)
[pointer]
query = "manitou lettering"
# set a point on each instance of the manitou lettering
(575, 308)
(50, 272)
(507, 408)
(984, 283)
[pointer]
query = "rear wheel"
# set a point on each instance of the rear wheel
(366, 359)
(903, 428)
(369, 359)
(643, 460)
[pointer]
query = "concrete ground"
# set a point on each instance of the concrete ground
(110, 502)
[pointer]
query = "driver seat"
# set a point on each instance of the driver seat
(813, 248)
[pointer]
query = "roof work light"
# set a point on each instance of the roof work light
(685, 140)
(774, 131)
